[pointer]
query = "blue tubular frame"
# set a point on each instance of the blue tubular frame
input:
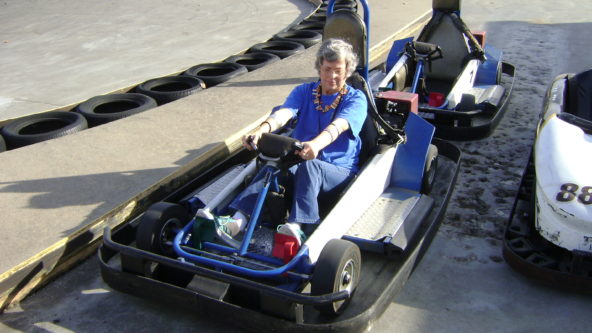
(364, 3)
(299, 261)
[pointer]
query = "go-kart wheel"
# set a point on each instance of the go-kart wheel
(429, 171)
(337, 269)
(158, 227)
(498, 74)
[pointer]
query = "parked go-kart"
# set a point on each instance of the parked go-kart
(368, 241)
(549, 234)
(457, 76)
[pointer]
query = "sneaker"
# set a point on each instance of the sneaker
(228, 225)
(292, 229)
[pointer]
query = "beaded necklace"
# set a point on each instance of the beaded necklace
(317, 100)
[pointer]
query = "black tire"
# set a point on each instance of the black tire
(170, 88)
(158, 227)
(498, 74)
(253, 61)
(429, 172)
(103, 109)
(215, 73)
(338, 268)
(282, 49)
(305, 37)
(43, 126)
(2, 144)
(317, 17)
(311, 26)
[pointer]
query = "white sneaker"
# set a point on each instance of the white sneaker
(292, 229)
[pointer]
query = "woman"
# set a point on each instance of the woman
(330, 116)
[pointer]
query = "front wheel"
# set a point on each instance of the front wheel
(158, 227)
(429, 171)
(337, 269)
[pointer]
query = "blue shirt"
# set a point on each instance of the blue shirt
(345, 150)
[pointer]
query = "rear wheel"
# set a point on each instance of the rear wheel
(429, 172)
(337, 269)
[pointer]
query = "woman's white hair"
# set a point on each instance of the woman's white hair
(334, 49)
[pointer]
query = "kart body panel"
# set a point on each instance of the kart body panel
(549, 232)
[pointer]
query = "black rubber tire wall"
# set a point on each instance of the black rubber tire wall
(282, 49)
(43, 126)
(305, 37)
(311, 26)
(103, 109)
(215, 73)
(253, 61)
(170, 88)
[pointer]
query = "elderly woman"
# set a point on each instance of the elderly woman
(330, 116)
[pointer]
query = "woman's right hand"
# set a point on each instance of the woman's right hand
(250, 140)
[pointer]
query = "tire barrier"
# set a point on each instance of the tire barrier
(253, 61)
(215, 73)
(305, 37)
(2, 144)
(282, 49)
(106, 108)
(169, 88)
(311, 26)
(317, 17)
(43, 126)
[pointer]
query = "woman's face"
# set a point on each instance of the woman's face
(332, 75)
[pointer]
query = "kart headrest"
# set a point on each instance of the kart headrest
(579, 95)
(275, 145)
(348, 26)
(446, 5)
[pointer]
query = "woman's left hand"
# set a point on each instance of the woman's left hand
(309, 152)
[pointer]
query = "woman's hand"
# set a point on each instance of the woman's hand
(250, 140)
(309, 151)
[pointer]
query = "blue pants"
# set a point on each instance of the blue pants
(310, 181)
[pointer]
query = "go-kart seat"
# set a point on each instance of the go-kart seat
(579, 95)
(455, 51)
(348, 26)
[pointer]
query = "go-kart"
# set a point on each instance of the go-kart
(549, 233)
(367, 243)
(459, 79)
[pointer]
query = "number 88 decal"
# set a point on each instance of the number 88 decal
(569, 192)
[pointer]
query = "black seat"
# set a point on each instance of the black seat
(454, 50)
(579, 95)
(447, 30)
(348, 26)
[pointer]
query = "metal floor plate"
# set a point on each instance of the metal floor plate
(385, 216)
